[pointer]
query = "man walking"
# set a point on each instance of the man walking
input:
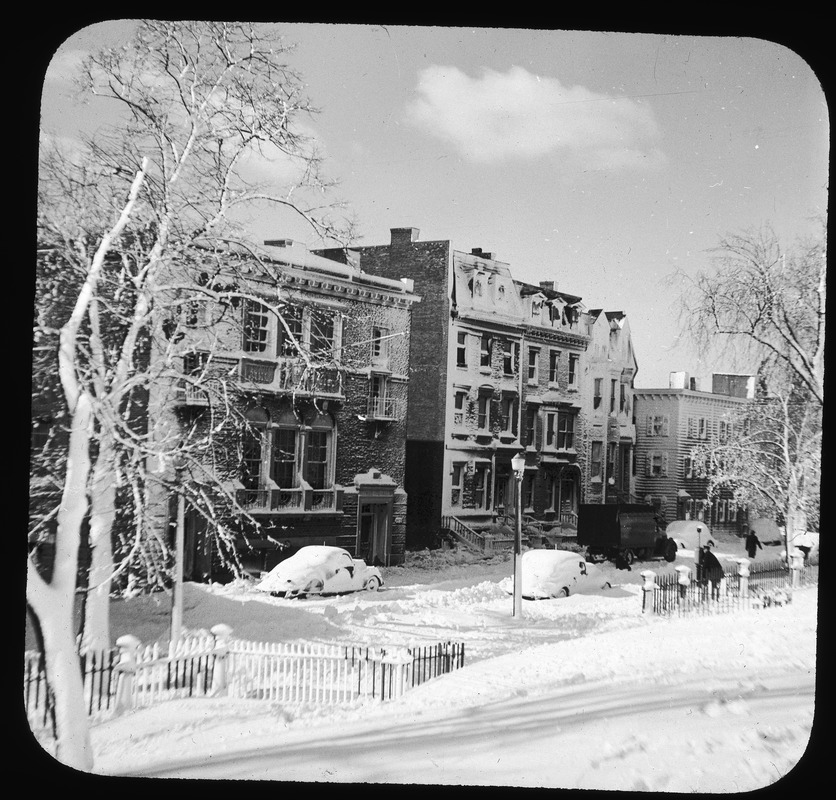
(711, 570)
(752, 544)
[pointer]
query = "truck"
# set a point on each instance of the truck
(623, 530)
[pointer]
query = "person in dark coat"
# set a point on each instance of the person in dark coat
(711, 570)
(752, 544)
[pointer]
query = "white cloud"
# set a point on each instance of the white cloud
(520, 115)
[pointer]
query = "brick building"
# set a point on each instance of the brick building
(323, 459)
(670, 423)
(497, 366)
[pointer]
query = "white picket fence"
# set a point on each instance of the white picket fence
(314, 673)
(214, 664)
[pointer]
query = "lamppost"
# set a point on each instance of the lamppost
(177, 596)
(518, 465)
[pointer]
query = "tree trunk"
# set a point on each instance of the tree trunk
(54, 603)
(102, 515)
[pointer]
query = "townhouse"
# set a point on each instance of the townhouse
(498, 366)
(670, 423)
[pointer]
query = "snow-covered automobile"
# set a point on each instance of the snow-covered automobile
(556, 573)
(320, 569)
(684, 532)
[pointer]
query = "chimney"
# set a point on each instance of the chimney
(278, 242)
(404, 235)
(679, 380)
(477, 251)
(547, 285)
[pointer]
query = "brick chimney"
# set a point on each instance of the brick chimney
(547, 285)
(477, 251)
(404, 235)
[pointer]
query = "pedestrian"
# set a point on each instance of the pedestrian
(752, 544)
(711, 570)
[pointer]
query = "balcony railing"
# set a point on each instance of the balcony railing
(384, 408)
(292, 375)
(275, 500)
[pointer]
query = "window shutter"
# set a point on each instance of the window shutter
(664, 463)
(650, 426)
(648, 464)
(666, 426)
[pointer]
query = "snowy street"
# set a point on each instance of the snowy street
(583, 692)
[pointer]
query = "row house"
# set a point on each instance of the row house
(611, 373)
(498, 366)
(323, 387)
(670, 424)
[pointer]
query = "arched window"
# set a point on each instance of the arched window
(285, 451)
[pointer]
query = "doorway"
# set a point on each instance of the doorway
(373, 532)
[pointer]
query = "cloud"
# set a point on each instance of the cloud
(520, 115)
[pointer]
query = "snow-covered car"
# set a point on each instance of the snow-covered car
(684, 532)
(556, 573)
(320, 569)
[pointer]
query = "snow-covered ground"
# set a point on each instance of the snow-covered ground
(582, 692)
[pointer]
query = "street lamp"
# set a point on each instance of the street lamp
(177, 597)
(518, 465)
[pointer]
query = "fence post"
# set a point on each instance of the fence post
(648, 587)
(684, 581)
(797, 566)
(125, 670)
(743, 576)
(221, 632)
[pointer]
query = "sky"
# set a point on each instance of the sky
(605, 162)
(581, 692)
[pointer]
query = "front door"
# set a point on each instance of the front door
(372, 532)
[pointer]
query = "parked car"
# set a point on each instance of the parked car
(684, 532)
(320, 569)
(556, 573)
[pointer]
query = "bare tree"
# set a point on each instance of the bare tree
(126, 222)
(766, 308)
(764, 305)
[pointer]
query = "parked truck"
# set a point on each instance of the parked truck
(624, 531)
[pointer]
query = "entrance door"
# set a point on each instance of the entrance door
(372, 533)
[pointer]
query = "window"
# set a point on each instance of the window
(252, 448)
(721, 510)
(612, 395)
(530, 425)
(322, 333)
(657, 463)
(596, 464)
(528, 491)
(380, 404)
(533, 365)
(480, 486)
(565, 430)
(283, 468)
(598, 395)
(573, 370)
(551, 429)
(316, 466)
(622, 400)
(482, 406)
(508, 415)
(193, 313)
(553, 493)
(485, 351)
(554, 365)
(456, 485)
(702, 428)
(380, 343)
(658, 425)
(256, 327)
(688, 465)
(461, 349)
(292, 316)
(510, 355)
(458, 407)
